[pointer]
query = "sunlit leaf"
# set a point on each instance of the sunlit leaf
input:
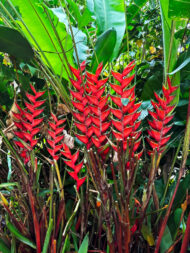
(111, 14)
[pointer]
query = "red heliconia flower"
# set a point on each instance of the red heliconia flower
(159, 127)
(28, 123)
(125, 117)
(71, 162)
(55, 137)
(80, 103)
(99, 109)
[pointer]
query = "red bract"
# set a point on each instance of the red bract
(28, 123)
(71, 163)
(55, 136)
(125, 115)
(82, 110)
(99, 109)
(159, 127)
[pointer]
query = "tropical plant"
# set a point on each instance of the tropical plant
(117, 129)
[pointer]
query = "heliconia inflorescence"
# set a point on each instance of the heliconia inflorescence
(159, 126)
(71, 163)
(95, 119)
(28, 123)
(98, 103)
(56, 137)
(80, 103)
(125, 117)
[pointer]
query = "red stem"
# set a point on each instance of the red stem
(186, 237)
(35, 220)
(166, 217)
(184, 159)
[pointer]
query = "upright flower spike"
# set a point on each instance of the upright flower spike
(28, 123)
(125, 115)
(82, 111)
(55, 137)
(99, 109)
(71, 162)
(159, 126)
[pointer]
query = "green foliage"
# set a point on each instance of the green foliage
(4, 247)
(166, 240)
(84, 246)
(50, 44)
(134, 9)
(13, 43)
(111, 14)
(19, 236)
(179, 9)
(48, 235)
(104, 48)
(42, 39)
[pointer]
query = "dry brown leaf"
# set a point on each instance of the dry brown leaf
(68, 139)
(62, 109)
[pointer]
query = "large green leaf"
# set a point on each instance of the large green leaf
(13, 43)
(179, 9)
(111, 14)
(84, 246)
(154, 83)
(104, 48)
(181, 192)
(82, 19)
(79, 36)
(183, 65)
(166, 240)
(19, 236)
(41, 22)
(170, 43)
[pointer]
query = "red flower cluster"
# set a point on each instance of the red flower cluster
(80, 103)
(56, 145)
(56, 138)
(159, 127)
(71, 163)
(92, 118)
(99, 110)
(125, 118)
(28, 124)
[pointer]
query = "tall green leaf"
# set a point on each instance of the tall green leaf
(82, 19)
(84, 246)
(48, 235)
(166, 240)
(111, 14)
(104, 48)
(169, 42)
(19, 236)
(79, 36)
(42, 24)
(179, 9)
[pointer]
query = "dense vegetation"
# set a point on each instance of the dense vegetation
(94, 126)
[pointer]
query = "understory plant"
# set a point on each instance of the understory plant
(114, 164)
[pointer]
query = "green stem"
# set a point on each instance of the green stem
(48, 235)
(51, 194)
(127, 34)
(59, 40)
